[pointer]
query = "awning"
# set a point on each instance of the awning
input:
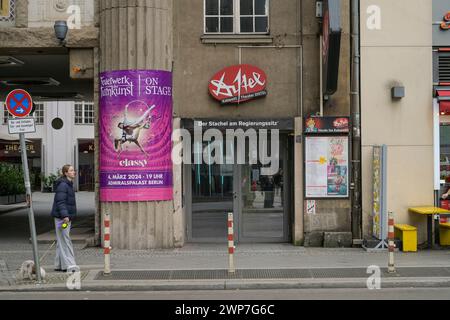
(443, 97)
(7, 137)
(4, 137)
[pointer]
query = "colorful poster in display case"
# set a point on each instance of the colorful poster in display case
(326, 167)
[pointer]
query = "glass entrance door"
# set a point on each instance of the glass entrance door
(263, 209)
(213, 198)
(259, 202)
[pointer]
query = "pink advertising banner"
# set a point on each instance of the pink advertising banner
(136, 136)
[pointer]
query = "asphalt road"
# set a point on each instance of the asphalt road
(228, 295)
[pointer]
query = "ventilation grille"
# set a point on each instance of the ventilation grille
(444, 68)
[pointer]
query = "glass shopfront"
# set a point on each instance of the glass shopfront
(445, 157)
(261, 202)
(10, 153)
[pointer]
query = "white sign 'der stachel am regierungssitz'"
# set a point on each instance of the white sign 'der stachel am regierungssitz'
(24, 125)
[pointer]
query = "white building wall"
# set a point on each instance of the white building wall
(396, 52)
(59, 145)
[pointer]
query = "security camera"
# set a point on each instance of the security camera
(61, 31)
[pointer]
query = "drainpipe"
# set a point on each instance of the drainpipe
(355, 116)
(321, 74)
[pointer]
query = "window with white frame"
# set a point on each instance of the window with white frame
(6, 114)
(84, 113)
(38, 114)
(236, 16)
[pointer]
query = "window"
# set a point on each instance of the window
(84, 113)
(237, 16)
(7, 10)
(6, 114)
(39, 113)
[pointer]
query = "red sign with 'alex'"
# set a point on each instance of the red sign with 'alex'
(238, 83)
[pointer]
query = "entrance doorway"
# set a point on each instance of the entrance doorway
(86, 154)
(261, 203)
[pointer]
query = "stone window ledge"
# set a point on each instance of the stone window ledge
(239, 39)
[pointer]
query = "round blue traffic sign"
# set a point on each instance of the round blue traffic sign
(19, 103)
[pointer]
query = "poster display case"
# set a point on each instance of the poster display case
(326, 157)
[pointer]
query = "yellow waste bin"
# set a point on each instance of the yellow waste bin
(444, 234)
(408, 235)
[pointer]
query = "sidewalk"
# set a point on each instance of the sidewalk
(44, 201)
(7, 208)
(259, 266)
(14, 222)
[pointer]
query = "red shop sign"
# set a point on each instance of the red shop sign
(341, 123)
(238, 83)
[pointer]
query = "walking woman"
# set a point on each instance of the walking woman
(64, 211)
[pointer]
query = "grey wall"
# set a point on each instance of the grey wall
(440, 37)
(293, 80)
(331, 215)
(196, 63)
(339, 103)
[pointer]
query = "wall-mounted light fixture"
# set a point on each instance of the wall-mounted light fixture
(398, 92)
(61, 30)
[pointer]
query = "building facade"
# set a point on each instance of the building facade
(397, 54)
(33, 60)
(282, 48)
(441, 92)
(49, 149)
(195, 41)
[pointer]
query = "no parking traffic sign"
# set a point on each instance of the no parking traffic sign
(19, 103)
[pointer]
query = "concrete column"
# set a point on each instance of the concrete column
(137, 34)
(179, 217)
(21, 13)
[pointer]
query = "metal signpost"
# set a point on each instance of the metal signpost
(19, 104)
